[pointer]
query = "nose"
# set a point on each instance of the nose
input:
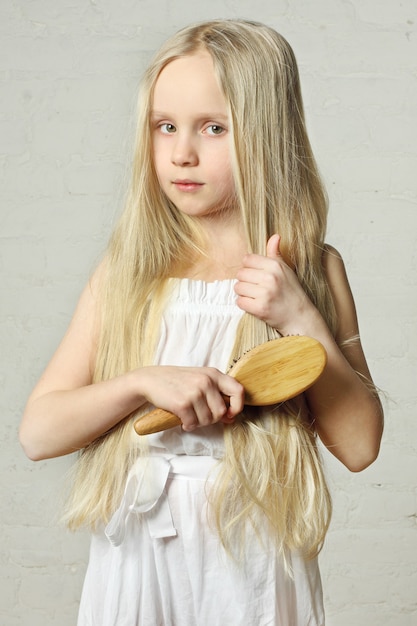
(184, 151)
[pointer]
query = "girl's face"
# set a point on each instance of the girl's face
(191, 142)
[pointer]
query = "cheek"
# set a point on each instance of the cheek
(221, 161)
(226, 174)
(159, 151)
(158, 168)
(159, 162)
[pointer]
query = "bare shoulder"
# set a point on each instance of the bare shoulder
(335, 272)
(347, 335)
(333, 264)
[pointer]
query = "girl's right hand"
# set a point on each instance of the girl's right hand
(194, 394)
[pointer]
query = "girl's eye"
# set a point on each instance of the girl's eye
(215, 129)
(167, 128)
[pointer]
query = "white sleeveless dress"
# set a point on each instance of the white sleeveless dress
(159, 562)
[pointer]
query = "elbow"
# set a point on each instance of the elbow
(355, 458)
(361, 462)
(33, 455)
(362, 456)
(358, 455)
(31, 444)
(365, 450)
(32, 451)
(39, 443)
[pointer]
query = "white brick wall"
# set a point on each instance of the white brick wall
(68, 73)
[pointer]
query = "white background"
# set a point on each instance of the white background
(69, 71)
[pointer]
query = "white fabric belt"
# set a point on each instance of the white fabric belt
(145, 493)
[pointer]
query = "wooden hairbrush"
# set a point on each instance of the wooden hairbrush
(272, 372)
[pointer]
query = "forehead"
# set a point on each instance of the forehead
(189, 83)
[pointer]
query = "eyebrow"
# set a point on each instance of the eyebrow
(209, 115)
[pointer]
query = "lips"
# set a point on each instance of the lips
(187, 185)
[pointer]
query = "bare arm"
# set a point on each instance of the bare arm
(66, 411)
(348, 416)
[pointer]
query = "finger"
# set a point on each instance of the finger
(254, 261)
(236, 405)
(208, 409)
(227, 419)
(189, 419)
(272, 247)
(188, 428)
(251, 305)
(236, 394)
(194, 412)
(248, 290)
(249, 274)
(217, 405)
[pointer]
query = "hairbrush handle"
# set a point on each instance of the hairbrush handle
(155, 421)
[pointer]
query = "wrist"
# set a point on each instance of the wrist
(136, 386)
(306, 321)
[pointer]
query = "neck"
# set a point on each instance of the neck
(224, 250)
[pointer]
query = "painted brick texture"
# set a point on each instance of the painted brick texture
(68, 73)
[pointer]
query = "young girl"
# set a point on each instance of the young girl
(220, 247)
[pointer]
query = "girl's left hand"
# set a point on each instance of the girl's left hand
(269, 289)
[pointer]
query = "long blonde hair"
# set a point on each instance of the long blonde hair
(271, 470)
